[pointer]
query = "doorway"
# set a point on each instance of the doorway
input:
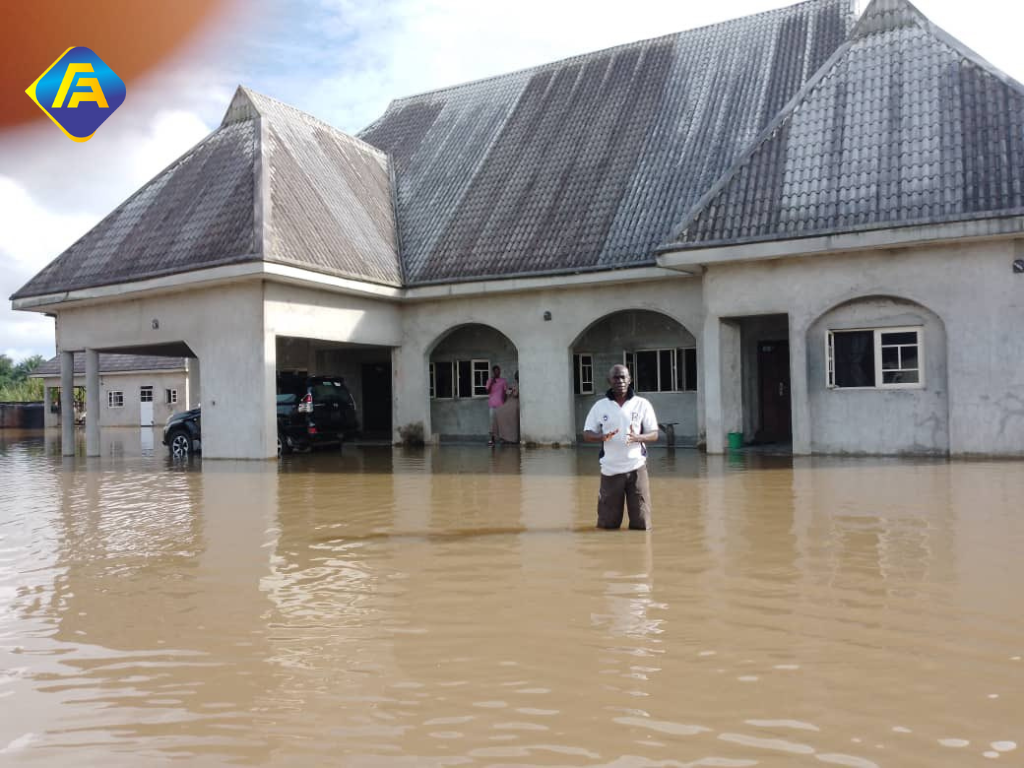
(377, 400)
(773, 388)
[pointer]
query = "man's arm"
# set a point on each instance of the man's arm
(598, 437)
(649, 424)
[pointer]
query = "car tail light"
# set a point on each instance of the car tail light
(311, 429)
(306, 404)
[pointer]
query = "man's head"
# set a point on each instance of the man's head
(618, 378)
(496, 371)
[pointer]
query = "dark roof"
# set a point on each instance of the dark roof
(329, 207)
(114, 364)
(196, 213)
(904, 126)
(592, 161)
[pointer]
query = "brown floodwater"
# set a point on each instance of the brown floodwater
(454, 606)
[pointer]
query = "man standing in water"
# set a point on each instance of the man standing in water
(624, 422)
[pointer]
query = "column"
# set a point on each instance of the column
(411, 390)
(92, 402)
(546, 410)
(800, 403)
(67, 403)
(192, 386)
(723, 390)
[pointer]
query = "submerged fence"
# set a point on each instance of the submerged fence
(21, 415)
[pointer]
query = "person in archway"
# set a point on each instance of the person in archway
(497, 388)
(624, 422)
(506, 420)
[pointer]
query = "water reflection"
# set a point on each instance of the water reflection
(448, 606)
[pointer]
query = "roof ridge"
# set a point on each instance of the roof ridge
(601, 51)
(288, 110)
(904, 13)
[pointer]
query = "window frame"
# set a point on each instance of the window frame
(677, 361)
(170, 396)
(579, 383)
(876, 350)
(476, 365)
(147, 389)
(115, 395)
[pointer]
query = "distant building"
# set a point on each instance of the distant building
(804, 226)
(135, 390)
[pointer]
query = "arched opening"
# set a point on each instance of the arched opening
(460, 363)
(661, 355)
(877, 378)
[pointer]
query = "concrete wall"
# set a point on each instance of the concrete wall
(547, 411)
(879, 420)
(467, 418)
(224, 326)
(130, 384)
(969, 287)
(606, 340)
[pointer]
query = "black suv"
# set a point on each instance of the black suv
(311, 411)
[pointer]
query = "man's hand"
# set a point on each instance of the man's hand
(599, 437)
(609, 435)
(646, 437)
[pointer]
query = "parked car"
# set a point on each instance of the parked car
(312, 411)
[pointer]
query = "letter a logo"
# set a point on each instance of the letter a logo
(78, 92)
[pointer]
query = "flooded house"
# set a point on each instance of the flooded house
(804, 226)
(135, 390)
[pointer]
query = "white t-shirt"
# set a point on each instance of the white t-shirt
(607, 415)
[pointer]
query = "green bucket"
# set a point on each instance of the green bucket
(735, 441)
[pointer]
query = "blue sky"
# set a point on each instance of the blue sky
(343, 61)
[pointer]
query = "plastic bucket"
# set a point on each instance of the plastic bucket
(735, 441)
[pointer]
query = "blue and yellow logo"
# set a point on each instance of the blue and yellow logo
(78, 92)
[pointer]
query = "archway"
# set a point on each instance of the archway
(460, 361)
(662, 357)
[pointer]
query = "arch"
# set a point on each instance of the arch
(881, 417)
(662, 353)
(459, 360)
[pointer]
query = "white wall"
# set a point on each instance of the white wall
(544, 347)
(969, 287)
(224, 327)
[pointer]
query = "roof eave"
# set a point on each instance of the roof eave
(695, 256)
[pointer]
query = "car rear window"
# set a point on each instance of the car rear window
(328, 390)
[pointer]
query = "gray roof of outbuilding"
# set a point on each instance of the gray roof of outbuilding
(904, 126)
(590, 162)
(114, 363)
(328, 209)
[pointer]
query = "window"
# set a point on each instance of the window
(145, 394)
(481, 373)
(115, 399)
(171, 396)
(459, 378)
(663, 370)
(874, 358)
(583, 374)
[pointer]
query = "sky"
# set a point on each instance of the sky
(342, 61)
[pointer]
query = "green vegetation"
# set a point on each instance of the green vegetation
(15, 385)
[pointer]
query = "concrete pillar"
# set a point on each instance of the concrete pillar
(546, 411)
(722, 379)
(799, 398)
(67, 403)
(411, 389)
(192, 385)
(92, 402)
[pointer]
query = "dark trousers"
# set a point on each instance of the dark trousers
(634, 489)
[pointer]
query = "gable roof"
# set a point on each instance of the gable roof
(113, 363)
(589, 163)
(271, 183)
(904, 126)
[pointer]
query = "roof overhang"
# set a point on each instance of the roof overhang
(291, 275)
(692, 258)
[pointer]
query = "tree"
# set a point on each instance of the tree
(6, 369)
(26, 366)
